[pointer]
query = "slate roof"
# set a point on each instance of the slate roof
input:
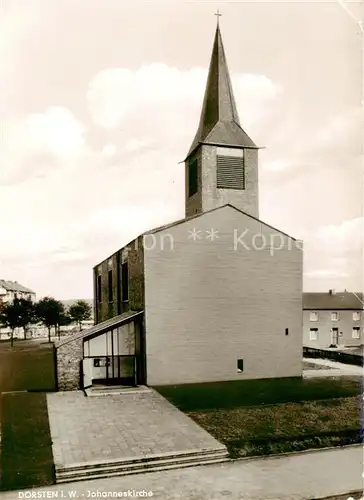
(13, 286)
(336, 301)
(219, 121)
(101, 327)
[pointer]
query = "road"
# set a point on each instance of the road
(315, 474)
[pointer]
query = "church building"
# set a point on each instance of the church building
(216, 296)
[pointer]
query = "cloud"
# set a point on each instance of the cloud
(342, 134)
(338, 242)
(169, 100)
(109, 150)
(82, 190)
(340, 238)
(336, 251)
(37, 143)
(127, 222)
(325, 273)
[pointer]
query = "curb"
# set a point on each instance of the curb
(295, 453)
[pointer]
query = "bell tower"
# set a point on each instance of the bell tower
(222, 163)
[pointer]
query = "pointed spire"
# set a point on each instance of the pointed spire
(219, 122)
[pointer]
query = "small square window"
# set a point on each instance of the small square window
(313, 316)
(334, 316)
(356, 316)
(240, 365)
(313, 333)
(356, 332)
(96, 363)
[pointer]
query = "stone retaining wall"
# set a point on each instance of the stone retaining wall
(69, 356)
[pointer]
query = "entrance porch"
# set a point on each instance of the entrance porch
(114, 353)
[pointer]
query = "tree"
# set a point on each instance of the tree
(80, 311)
(27, 313)
(10, 317)
(64, 320)
(50, 312)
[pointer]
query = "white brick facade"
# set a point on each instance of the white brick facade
(208, 305)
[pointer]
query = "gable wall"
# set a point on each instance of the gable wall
(210, 303)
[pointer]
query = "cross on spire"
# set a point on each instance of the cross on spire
(217, 16)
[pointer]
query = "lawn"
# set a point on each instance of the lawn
(28, 365)
(26, 445)
(193, 397)
(261, 430)
(262, 417)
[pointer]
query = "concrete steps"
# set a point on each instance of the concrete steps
(114, 390)
(136, 465)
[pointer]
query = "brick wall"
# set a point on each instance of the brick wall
(133, 254)
(104, 308)
(69, 357)
(208, 305)
(136, 275)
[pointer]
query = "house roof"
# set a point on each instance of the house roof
(195, 216)
(219, 121)
(327, 301)
(14, 286)
(100, 328)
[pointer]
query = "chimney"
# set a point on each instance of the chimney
(332, 291)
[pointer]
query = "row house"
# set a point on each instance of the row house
(333, 319)
(10, 290)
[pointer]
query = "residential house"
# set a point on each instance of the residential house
(9, 290)
(333, 319)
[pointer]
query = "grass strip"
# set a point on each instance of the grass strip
(276, 446)
(235, 394)
(284, 427)
(26, 445)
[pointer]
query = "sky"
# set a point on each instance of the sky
(100, 100)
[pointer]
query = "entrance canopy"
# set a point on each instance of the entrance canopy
(109, 324)
(113, 351)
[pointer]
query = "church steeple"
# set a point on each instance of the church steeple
(219, 121)
(222, 163)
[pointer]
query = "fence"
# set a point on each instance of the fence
(341, 357)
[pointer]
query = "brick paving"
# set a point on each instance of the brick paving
(87, 429)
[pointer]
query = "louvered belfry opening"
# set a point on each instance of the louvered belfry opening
(230, 172)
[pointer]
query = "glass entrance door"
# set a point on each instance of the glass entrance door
(121, 370)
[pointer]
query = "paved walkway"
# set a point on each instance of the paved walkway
(293, 477)
(85, 429)
(335, 369)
